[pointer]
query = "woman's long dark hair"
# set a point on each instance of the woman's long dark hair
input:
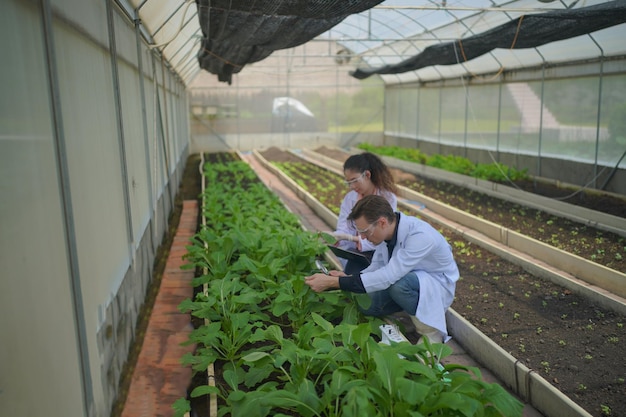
(380, 175)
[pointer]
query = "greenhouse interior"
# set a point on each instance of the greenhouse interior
(503, 123)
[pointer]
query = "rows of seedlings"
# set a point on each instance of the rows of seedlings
(279, 349)
(572, 343)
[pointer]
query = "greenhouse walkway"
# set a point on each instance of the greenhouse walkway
(159, 379)
(311, 221)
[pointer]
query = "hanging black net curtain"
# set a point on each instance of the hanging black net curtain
(240, 32)
(524, 32)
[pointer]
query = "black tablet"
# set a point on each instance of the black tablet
(352, 254)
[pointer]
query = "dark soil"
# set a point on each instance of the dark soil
(572, 343)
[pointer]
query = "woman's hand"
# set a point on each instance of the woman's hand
(345, 236)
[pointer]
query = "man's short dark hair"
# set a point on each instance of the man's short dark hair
(372, 207)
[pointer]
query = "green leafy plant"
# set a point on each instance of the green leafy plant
(492, 172)
(282, 348)
(606, 410)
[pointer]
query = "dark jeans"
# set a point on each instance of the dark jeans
(401, 296)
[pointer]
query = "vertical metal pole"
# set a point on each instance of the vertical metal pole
(238, 110)
(466, 116)
(399, 111)
(144, 113)
(385, 99)
(543, 83)
(499, 121)
(120, 125)
(337, 130)
(66, 202)
(595, 163)
(417, 113)
(439, 124)
(288, 115)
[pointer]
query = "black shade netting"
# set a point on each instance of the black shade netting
(526, 31)
(239, 32)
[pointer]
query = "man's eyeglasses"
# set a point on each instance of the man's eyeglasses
(352, 181)
(368, 230)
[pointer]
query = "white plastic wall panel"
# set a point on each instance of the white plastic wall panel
(170, 111)
(613, 88)
(90, 16)
(520, 128)
(511, 135)
(392, 110)
(135, 144)
(580, 97)
(408, 112)
(453, 115)
(182, 118)
(429, 114)
(125, 44)
(39, 339)
(156, 124)
(95, 168)
(168, 108)
(154, 143)
(482, 116)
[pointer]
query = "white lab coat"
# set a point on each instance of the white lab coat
(420, 248)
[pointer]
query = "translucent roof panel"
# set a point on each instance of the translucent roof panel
(172, 28)
(416, 25)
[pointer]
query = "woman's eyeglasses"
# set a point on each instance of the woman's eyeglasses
(352, 181)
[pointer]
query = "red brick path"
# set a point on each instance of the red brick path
(159, 379)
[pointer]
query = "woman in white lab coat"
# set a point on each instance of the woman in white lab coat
(365, 174)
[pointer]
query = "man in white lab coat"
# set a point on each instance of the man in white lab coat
(413, 271)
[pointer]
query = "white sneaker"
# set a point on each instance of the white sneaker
(434, 335)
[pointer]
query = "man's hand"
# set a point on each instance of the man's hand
(322, 282)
